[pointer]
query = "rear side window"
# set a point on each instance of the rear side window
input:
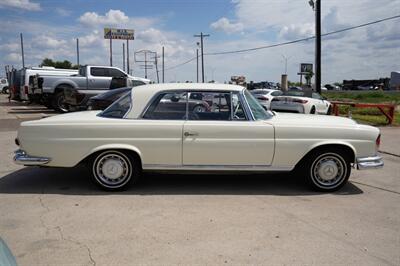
(276, 93)
(99, 72)
(119, 108)
(168, 106)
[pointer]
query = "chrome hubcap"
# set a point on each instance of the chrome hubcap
(112, 169)
(329, 170)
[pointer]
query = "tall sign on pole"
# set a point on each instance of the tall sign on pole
(119, 34)
(163, 64)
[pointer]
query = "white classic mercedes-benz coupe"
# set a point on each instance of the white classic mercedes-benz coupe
(158, 127)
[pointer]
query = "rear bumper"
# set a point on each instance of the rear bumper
(369, 162)
(22, 158)
(281, 106)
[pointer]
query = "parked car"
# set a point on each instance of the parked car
(102, 101)
(134, 134)
(265, 96)
(27, 74)
(294, 88)
(305, 102)
(4, 85)
(62, 92)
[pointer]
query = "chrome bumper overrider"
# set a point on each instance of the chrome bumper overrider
(369, 162)
(24, 159)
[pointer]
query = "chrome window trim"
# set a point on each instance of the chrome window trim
(242, 98)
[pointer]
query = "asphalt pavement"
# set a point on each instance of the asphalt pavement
(59, 217)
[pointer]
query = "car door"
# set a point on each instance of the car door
(224, 135)
(164, 120)
(99, 79)
(321, 105)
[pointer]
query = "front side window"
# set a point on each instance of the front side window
(168, 106)
(258, 111)
(116, 73)
(119, 108)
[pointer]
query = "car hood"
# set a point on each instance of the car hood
(76, 117)
(311, 120)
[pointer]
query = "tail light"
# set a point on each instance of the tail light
(275, 99)
(299, 101)
(26, 89)
(378, 141)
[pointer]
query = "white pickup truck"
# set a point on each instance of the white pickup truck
(90, 81)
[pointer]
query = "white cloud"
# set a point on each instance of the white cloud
(20, 4)
(115, 18)
(10, 47)
(90, 40)
(225, 25)
(45, 41)
(111, 18)
(63, 12)
(297, 31)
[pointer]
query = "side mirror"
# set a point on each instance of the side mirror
(324, 98)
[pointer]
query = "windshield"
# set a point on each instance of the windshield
(119, 108)
(258, 111)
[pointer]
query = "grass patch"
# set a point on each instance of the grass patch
(364, 97)
(370, 116)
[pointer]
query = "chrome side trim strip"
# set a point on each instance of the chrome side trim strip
(255, 168)
(369, 162)
(22, 158)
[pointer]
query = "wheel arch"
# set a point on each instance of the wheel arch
(134, 151)
(348, 148)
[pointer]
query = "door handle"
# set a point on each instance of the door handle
(188, 134)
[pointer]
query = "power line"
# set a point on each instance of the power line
(288, 42)
(304, 39)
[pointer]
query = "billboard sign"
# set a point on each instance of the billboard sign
(306, 68)
(119, 34)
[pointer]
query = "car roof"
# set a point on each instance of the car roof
(141, 95)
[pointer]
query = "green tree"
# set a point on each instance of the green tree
(308, 77)
(58, 64)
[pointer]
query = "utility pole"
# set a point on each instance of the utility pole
(127, 56)
(123, 57)
(202, 53)
(22, 51)
(316, 6)
(163, 64)
(318, 46)
(145, 61)
(156, 62)
(197, 63)
(286, 60)
(77, 51)
(110, 52)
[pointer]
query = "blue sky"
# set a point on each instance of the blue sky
(51, 27)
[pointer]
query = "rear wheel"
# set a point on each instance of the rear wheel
(312, 111)
(115, 170)
(59, 104)
(326, 170)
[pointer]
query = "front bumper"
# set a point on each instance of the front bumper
(22, 158)
(369, 162)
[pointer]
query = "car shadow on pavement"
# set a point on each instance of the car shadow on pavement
(77, 181)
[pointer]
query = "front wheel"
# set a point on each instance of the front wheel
(312, 111)
(115, 170)
(327, 170)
